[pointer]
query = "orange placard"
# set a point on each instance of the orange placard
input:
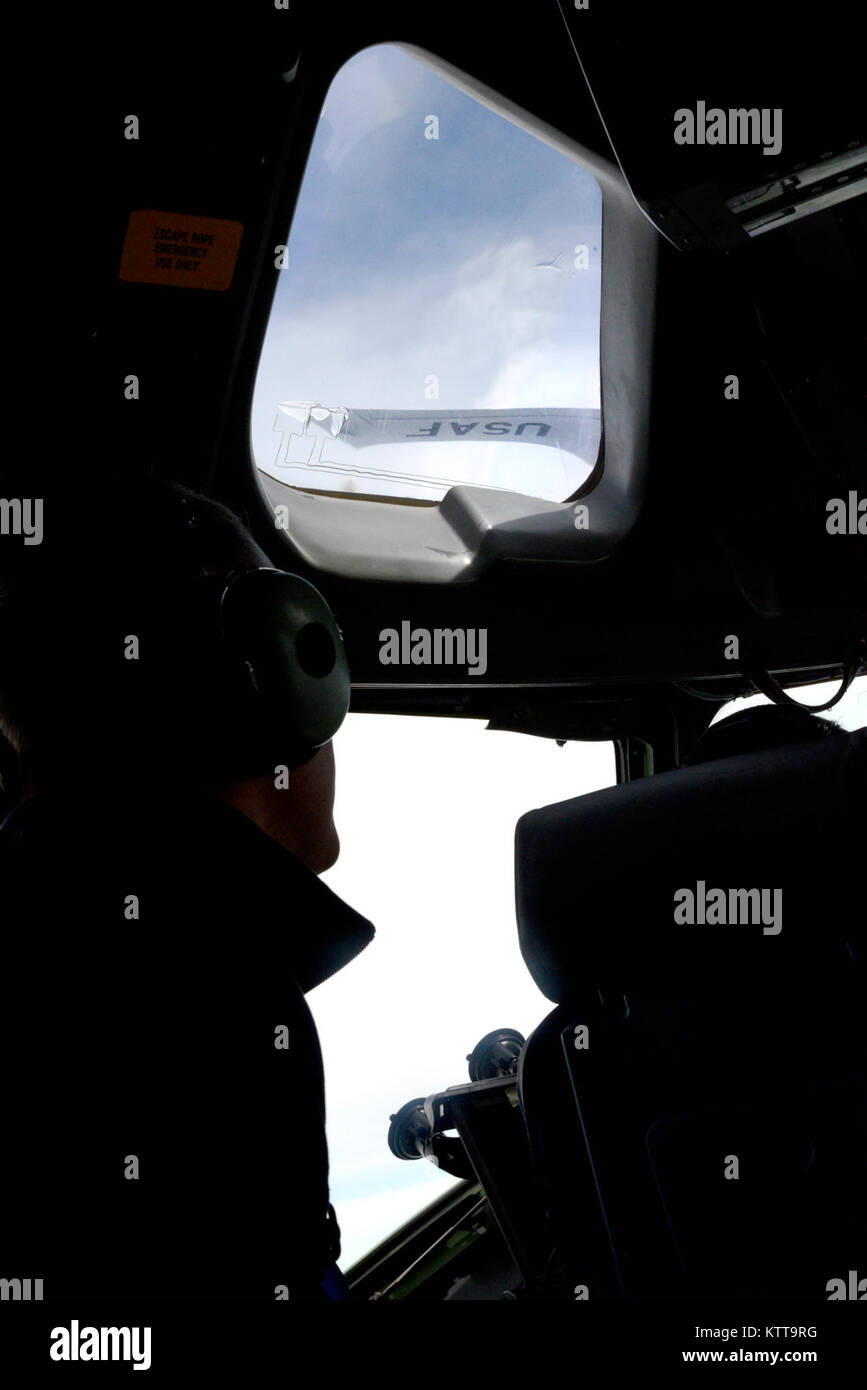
(173, 248)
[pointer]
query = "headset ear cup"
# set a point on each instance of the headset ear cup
(291, 666)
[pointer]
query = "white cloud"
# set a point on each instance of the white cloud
(484, 326)
(484, 330)
(363, 101)
(542, 376)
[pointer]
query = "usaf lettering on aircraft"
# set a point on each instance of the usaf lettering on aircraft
(309, 428)
(499, 427)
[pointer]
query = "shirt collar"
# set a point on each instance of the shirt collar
(242, 869)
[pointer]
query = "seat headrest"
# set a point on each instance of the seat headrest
(596, 878)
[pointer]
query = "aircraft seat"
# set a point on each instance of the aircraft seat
(697, 1102)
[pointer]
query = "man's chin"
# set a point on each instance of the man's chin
(331, 852)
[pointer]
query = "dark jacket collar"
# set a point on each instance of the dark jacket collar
(214, 846)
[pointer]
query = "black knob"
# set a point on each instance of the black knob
(496, 1055)
(409, 1129)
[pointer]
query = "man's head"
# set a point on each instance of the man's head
(762, 727)
(112, 671)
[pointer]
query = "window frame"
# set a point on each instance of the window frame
(472, 527)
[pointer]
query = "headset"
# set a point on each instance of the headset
(277, 684)
(286, 665)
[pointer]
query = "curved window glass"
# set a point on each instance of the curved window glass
(436, 320)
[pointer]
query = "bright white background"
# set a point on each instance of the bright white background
(850, 713)
(426, 809)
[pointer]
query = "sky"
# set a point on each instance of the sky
(411, 258)
(426, 809)
(850, 713)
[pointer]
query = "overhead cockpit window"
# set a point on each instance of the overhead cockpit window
(436, 319)
(850, 713)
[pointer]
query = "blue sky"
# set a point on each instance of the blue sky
(412, 257)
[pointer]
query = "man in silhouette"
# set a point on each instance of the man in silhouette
(162, 921)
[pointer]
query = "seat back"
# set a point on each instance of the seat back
(696, 1102)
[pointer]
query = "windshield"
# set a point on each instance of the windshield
(440, 288)
(426, 809)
